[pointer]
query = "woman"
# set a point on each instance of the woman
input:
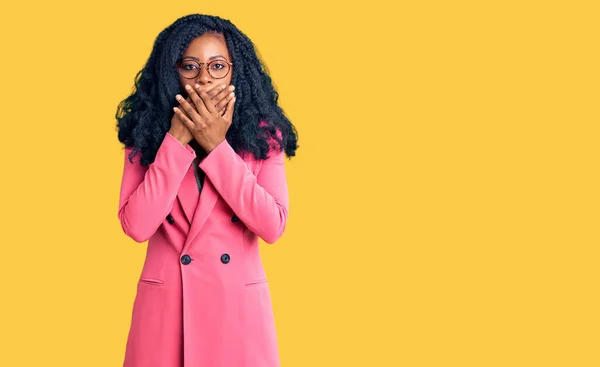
(203, 179)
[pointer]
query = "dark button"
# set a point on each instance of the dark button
(170, 219)
(225, 258)
(235, 218)
(186, 259)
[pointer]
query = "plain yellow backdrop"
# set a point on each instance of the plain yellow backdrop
(444, 199)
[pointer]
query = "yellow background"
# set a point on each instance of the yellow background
(444, 200)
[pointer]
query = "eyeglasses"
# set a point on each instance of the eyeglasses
(190, 69)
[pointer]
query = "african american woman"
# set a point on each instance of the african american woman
(203, 179)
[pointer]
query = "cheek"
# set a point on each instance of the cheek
(183, 82)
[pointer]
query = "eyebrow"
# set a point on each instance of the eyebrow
(209, 59)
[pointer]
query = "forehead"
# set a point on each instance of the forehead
(206, 46)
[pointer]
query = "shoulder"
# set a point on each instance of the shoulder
(132, 157)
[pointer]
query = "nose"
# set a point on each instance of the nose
(203, 77)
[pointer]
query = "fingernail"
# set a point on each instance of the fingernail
(222, 86)
(197, 86)
(231, 87)
(187, 87)
(178, 97)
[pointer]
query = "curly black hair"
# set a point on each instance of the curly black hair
(145, 116)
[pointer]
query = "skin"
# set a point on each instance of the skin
(206, 113)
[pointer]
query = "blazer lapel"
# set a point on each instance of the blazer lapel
(198, 209)
(188, 194)
(208, 199)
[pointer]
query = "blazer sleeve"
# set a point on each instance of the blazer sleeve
(147, 193)
(261, 202)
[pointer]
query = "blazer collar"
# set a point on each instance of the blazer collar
(196, 206)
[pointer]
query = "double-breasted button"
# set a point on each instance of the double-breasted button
(225, 258)
(170, 219)
(186, 259)
(235, 218)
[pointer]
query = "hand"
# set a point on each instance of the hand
(203, 118)
(220, 95)
(178, 128)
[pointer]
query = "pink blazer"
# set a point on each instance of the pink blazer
(202, 298)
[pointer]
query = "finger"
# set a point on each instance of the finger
(190, 111)
(223, 97)
(189, 100)
(212, 90)
(229, 110)
(219, 95)
(225, 100)
(198, 104)
(208, 102)
(184, 118)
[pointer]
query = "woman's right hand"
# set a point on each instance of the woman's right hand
(178, 128)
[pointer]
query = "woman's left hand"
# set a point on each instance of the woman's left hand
(207, 124)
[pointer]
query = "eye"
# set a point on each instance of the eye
(217, 65)
(189, 67)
